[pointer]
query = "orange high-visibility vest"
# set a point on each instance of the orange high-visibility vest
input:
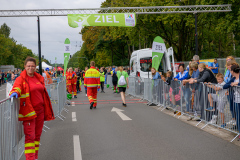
(26, 111)
(92, 78)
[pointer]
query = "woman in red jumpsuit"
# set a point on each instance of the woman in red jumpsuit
(35, 106)
(72, 82)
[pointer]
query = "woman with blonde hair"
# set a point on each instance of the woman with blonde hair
(122, 83)
(205, 75)
(228, 75)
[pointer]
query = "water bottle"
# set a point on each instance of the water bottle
(195, 114)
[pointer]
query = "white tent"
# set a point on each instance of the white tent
(45, 65)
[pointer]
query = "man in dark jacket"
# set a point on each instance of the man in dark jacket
(78, 78)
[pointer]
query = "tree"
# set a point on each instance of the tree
(218, 33)
(5, 30)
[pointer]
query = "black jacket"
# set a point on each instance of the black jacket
(114, 77)
(206, 76)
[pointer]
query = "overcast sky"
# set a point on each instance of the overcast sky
(54, 30)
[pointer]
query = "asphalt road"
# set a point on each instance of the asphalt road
(149, 135)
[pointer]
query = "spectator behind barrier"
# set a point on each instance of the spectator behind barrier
(220, 97)
(196, 58)
(169, 78)
(229, 58)
(214, 67)
(155, 75)
(182, 74)
(228, 74)
(235, 110)
(194, 74)
(205, 75)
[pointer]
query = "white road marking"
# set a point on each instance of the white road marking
(121, 115)
(77, 148)
(74, 118)
(73, 103)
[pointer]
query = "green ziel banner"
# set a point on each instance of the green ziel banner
(67, 49)
(158, 49)
(111, 19)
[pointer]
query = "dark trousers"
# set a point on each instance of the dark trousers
(78, 89)
(102, 86)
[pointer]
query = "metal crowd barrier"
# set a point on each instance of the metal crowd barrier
(193, 100)
(11, 130)
(109, 81)
(58, 96)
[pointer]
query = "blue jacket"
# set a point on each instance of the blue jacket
(181, 76)
(227, 76)
(214, 65)
(156, 76)
(228, 85)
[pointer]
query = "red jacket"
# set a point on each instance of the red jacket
(27, 111)
(71, 79)
(92, 78)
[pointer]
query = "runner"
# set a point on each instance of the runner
(122, 84)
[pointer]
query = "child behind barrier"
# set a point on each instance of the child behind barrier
(220, 97)
(167, 84)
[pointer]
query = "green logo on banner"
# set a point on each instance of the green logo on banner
(114, 19)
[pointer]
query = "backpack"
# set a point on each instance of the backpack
(121, 81)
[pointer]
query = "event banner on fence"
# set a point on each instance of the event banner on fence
(158, 49)
(67, 49)
(208, 62)
(109, 19)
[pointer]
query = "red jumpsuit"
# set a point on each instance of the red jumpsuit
(71, 83)
(92, 82)
(35, 107)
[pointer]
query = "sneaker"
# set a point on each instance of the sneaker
(95, 107)
(232, 122)
(103, 91)
(75, 96)
(209, 109)
(152, 104)
(91, 105)
(124, 105)
(191, 118)
(86, 95)
(223, 125)
(214, 119)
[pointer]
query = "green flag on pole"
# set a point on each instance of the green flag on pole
(56, 64)
(67, 49)
(158, 49)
